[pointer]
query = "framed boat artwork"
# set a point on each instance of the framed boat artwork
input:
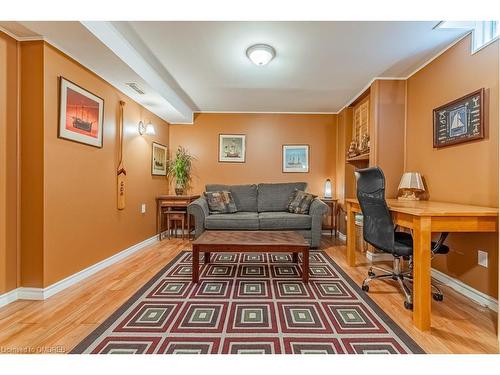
(295, 159)
(81, 114)
(159, 160)
(232, 148)
(460, 120)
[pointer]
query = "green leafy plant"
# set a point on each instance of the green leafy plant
(179, 168)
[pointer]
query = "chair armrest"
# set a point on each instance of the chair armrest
(199, 210)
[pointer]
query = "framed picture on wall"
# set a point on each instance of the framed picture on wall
(295, 158)
(232, 148)
(460, 120)
(158, 159)
(81, 114)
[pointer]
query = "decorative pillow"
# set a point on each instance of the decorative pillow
(220, 202)
(300, 202)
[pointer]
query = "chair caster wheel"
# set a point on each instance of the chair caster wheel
(365, 288)
(371, 273)
(408, 305)
(437, 297)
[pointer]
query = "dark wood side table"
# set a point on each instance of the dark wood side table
(173, 203)
(331, 224)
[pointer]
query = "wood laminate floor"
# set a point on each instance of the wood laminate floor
(62, 321)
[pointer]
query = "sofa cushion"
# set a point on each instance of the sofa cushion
(236, 221)
(245, 196)
(283, 221)
(300, 202)
(275, 197)
(220, 202)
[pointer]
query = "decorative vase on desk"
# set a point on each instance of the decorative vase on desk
(179, 190)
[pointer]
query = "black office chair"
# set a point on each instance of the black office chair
(380, 232)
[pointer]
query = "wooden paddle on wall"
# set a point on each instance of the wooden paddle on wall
(120, 171)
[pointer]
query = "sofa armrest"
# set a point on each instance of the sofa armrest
(317, 210)
(199, 210)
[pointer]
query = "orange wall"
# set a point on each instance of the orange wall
(8, 162)
(31, 159)
(265, 134)
(68, 215)
(465, 173)
(81, 222)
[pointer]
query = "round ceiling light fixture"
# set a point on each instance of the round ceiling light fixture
(261, 54)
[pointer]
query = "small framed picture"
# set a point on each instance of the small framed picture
(81, 115)
(460, 120)
(295, 158)
(232, 148)
(159, 159)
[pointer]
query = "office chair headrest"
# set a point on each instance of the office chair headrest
(370, 180)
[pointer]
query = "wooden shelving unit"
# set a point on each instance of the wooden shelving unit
(385, 108)
(359, 157)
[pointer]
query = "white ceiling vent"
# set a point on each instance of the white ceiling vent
(134, 86)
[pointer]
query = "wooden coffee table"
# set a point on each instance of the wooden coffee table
(251, 241)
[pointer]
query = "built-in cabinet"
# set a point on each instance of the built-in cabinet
(379, 112)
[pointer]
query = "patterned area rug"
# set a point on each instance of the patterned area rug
(249, 303)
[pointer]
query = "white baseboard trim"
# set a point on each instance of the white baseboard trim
(44, 293)
(378, 257)
(8, 297)
(464, 289)
(342, 236)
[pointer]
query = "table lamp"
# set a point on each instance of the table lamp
(411, 182)
(328, 189)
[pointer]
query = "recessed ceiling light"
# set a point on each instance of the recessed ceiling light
(261, 54)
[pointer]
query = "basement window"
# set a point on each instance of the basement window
(483, 32)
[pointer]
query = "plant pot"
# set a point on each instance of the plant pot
(179, 190)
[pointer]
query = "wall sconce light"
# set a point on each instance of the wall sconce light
(148, 129)
(328, 189)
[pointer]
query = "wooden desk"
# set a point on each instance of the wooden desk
(331, 225)
(173, 202)
(424, 218)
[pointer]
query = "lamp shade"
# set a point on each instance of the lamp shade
(412, 180)
(328, 189)
(150, 129)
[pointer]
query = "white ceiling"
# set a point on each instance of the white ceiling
(202, 66)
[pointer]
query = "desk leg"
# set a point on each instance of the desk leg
(351, 236)
(422, 273)
(196, 263)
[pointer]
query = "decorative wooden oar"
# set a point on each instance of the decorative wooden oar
(120, 172)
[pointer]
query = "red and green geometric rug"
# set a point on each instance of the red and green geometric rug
(249, 303)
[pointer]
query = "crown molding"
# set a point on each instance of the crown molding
(22, 38)
(271, 112)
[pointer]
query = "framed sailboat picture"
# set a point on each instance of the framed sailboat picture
(232, 148)
(460, 120)
(295, 158)
(81, 114)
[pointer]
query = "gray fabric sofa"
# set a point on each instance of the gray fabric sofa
(261, 207)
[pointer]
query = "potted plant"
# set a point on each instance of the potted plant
(179, 168)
